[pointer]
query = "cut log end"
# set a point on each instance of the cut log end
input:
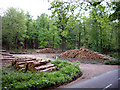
(33, 65)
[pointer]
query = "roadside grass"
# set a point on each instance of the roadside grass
(108, 62)
(76, 63)
(96, 63)
(112, 62)
(65, 72)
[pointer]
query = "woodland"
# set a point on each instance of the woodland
(72, 25)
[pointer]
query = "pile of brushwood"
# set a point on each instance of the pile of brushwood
(83, 53)
(65, 73)
(48, 50)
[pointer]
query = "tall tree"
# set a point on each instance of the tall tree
(60, 11)
(29, 31)
(54, 34)
(63, 11)
(47, 33)
(116, 16)
(13, 27)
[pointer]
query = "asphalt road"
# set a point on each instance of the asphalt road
(104, 81)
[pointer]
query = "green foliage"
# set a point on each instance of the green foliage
(96, 63)
(3, 71)
(61, 11)
(13, 24)
(112, 54)
(47, 32)
(76, 62)
(9, 66)
(67, 28)
(28, 80)
(39, 59)
(112, 62)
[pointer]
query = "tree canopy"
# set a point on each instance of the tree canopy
(73, 24)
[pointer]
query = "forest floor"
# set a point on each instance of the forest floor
(89, 70)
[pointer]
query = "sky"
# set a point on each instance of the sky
(34, 7)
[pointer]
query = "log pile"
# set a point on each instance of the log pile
(83, 53)
(33, 65)
(6, 56)
(2, 50)
(48, 50)
(30, 64)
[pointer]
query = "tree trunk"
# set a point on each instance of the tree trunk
(96, 30)
(16, 44)
(97, 40)
(119, 40)
(63, 43)
(101, 48)
(26, 43)
(53, 39)
(85, 36)
(79, 42)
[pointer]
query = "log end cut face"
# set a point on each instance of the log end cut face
(33, 65)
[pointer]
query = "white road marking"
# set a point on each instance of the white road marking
(118, 78)
(107, 86)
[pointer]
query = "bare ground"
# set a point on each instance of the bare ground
(89, 70)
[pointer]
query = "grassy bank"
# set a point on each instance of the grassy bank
(66, 72)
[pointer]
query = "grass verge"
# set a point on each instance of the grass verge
(112, 62)
(66, 72)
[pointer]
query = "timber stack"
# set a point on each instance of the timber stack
(33, 65)
(6, 56)
(2, 50)
(83, 53)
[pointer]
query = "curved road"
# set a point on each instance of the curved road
(104, 81)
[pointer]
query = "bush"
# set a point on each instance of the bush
(112, 62)
(76, 62)
(113, 54)
(9, 66)
(3, 71)
(29, 80)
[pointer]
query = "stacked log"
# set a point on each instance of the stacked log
(7, 56)
(48, 50)
(2, 50)
(33, 65)
(83, 53)
(20, 61)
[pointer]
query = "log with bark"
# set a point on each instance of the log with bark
(8, 58)
(33, 65)
(2, 50)
(6, 54)
(44, 66)
(48, 69)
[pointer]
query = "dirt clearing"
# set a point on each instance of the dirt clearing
(48, 50)
(89, 70)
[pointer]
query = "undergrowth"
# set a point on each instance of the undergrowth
(20, 80)
(112, 62)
